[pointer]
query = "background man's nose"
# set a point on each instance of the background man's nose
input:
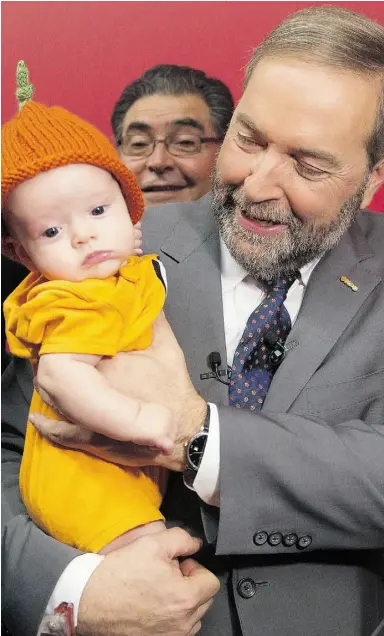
(160, 160)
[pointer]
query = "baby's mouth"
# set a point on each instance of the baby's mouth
(96, 257)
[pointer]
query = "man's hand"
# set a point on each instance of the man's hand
(138, 242)
(142, 590)
(158, 375)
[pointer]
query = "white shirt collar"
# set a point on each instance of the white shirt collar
(232, 273)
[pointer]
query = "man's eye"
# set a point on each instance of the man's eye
(51, 232)
(139, 144)
(98, 211)
(246, 143)
(185, 146)
(185, 141)
(309, 172)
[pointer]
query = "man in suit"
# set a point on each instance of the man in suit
(288, 497)
(168, 125)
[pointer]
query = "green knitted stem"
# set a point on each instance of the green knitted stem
(24, 92)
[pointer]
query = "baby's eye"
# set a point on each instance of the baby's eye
(98, 211)
(51, 232)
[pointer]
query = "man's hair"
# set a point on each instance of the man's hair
(170, 79)
(335, 37)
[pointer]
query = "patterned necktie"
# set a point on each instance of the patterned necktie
(252, 369)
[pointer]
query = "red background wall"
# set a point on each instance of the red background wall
(82, 54)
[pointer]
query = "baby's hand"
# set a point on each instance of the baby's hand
(138, 239)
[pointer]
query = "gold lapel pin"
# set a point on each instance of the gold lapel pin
(349, 283)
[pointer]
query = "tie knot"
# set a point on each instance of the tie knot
(282, 284)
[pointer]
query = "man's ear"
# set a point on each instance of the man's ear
(16, 251)
(375, 181)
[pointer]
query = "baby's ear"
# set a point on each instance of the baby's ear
(16, 251)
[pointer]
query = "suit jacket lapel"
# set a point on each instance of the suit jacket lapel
(327, 309)
(194, 305)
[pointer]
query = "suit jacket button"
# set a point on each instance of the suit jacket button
(290, 539)
(246, 588)
(260, 537)
(275, 538)
(304, 542)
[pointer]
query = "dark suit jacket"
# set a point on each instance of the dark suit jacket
(310, 464)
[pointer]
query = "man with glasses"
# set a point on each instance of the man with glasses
(168, 125)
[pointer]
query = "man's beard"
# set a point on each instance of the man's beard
(266, 258)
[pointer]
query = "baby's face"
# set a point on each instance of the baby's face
(71, 222)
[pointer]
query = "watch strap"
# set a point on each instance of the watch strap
(190, 472)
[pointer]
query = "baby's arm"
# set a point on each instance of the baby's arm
(82, 394)
(132, 535)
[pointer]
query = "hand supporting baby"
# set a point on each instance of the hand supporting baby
(138, 240)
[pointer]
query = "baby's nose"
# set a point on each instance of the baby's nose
(81, 235)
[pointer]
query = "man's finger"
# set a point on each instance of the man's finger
(177, 543)
(202, 582)
(60, 432)
(72, 435)
(188, 567)
(68, 435)
(198, 615)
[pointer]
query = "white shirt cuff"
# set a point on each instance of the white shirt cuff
(72, 582)
(207, 480)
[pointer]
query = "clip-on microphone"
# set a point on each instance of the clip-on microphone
(214, 362)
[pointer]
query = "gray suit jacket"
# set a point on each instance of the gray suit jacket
(310, 464)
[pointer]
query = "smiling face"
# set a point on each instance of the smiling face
(163, 177)
(70, 223)
(292, 172)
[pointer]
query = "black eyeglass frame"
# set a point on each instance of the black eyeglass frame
(165, 141)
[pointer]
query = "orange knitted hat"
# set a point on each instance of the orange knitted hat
(40, 138)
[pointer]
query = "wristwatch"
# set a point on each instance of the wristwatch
(194, 452)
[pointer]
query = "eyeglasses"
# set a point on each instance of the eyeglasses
(141, 144)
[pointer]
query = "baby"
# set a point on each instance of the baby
(69, 207)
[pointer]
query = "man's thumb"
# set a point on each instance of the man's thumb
(178, 543)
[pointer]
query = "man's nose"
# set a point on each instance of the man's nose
(160, 160)
(266, 177)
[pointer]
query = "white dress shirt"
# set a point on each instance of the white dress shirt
(241, 295)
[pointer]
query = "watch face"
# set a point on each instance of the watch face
(196, 450)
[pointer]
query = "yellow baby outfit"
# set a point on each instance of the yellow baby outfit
(81, 500)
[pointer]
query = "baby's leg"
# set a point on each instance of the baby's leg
(131, 535)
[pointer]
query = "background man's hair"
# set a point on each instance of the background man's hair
(170, 79)
(336, 37)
